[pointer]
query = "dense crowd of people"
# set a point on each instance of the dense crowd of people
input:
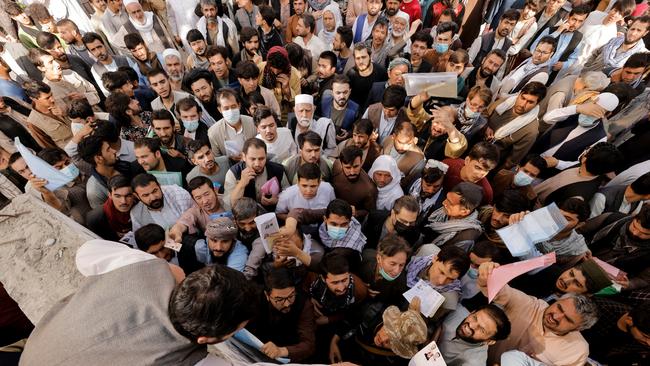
(260, 165)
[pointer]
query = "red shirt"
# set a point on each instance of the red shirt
(452, 178)
(413, 9)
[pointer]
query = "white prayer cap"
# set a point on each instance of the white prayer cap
(403, 15)
(304, 99)
(608, 101)
(171, 52)
(129, 2)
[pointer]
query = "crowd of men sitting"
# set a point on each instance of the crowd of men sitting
(177, 123)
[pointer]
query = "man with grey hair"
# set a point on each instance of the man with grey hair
(396, 68)
(217, 30)
(545, 334)
(174, 66)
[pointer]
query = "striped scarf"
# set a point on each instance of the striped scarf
(417, 265)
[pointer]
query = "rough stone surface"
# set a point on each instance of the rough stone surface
(35, 272)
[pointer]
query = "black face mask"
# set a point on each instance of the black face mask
(409, 233)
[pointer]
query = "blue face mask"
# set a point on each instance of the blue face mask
(386, 276)
(441, 47)
(336, 233)
(472, 273)
(586, 121)
(522, 179)
(71, 171)
(192, 125)
(471, 114)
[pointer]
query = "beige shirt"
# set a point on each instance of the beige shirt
(57, 129)
(71, 82)
(529, 336)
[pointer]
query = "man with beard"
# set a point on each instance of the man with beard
(200, 82)
(361, 133)
(352, 184)
(534, 69)
(485, 75)
(534, 322)
(513, 125)
(219, 59)
(402, 146)
(167, 98)
(206, 164)
(206, 207)
(299, 7)
(174, 67)
(70, 33)
(388, 113)
(251, 41)
(466, 336)
(173, 143)
(217, 30)
(279, 142)
(363, 24)
(632, 72)
(338, 107)
(247, 75)
(397, 67)
(167, 168)
(111, 220)
(568, 38)
(421, 42)
(51, 44)
(246, 178)
(427, 188)
(341, 46)
(65, 84)
(144, 23)
(162, 205)
(309, 145)
(625, 244)
(146, 59)
(244, 213)
(221, 245)
(496, 39)
(304, 121)
(364, 74)
(392, 8)
(105, 61)
(197, 59)
(98, 152)
(326, 71)
(284, 307)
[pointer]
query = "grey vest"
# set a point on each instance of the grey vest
(117, 318)
(120, 61)
(487, 41)
(614, 197)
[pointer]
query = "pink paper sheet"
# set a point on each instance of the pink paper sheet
(502, 275)
(612, 271)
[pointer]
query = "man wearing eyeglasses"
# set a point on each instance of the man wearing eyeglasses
(286, 319)
(535, 68)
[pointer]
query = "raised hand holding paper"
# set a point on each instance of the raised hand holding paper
(55, 179)
(502, 275)
(267, 225)
(539, 225)
(431, 299)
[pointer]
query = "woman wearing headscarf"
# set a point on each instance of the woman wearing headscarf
(282, 78)
(331, 20)
(387, 176)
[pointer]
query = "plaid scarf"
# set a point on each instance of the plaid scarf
(353, 239)
(417, 265)
(447, 228)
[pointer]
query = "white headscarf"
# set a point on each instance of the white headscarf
(392, 191)
(324, 35)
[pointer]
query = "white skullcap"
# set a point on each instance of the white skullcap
(608, 101)
(403, 15)
(304, 99)
(129, 2)
(171, 52)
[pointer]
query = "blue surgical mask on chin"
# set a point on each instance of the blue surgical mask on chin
(522, 179)
(386, 276)
(470, 113)
(441, 47)
(336, 233)
(586, 121)
(472, 273)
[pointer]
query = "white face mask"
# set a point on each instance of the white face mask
(231, 116)
(471, 114)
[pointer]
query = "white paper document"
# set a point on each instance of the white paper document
(430, 299)
(249, 338)
(436, 84)
(41, 169)
(428, 356)
(267, 225)
(537, 226)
